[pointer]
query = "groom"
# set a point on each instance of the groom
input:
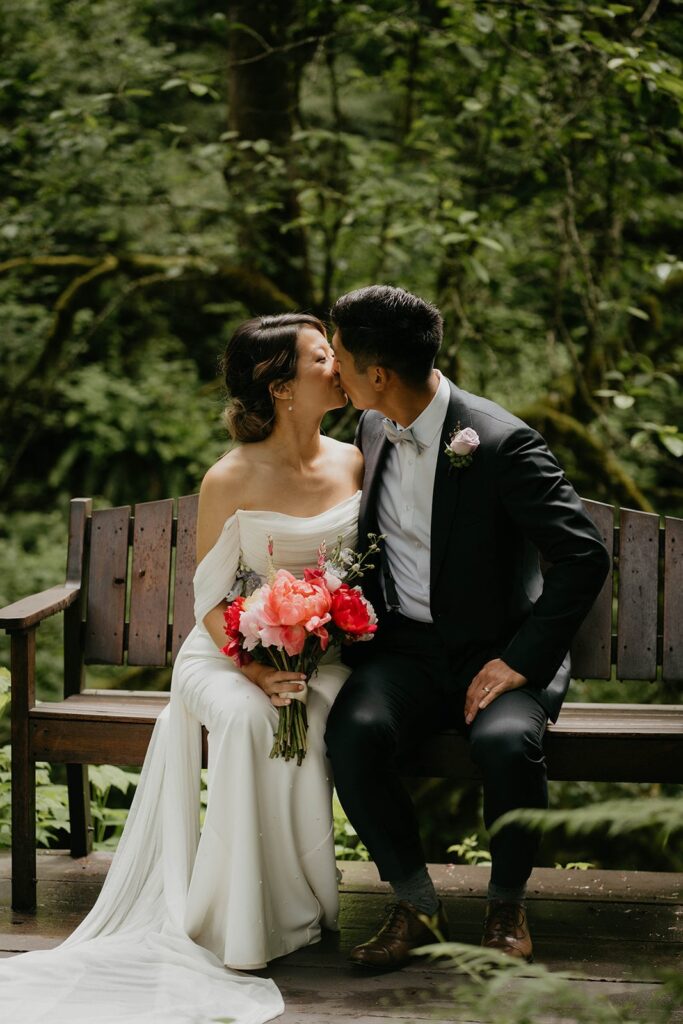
(471, 634)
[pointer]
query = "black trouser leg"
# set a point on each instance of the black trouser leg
(507, 744)
(384, 707)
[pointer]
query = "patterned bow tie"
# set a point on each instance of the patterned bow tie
(397, 436)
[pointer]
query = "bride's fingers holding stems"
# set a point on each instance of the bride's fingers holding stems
(275, 683)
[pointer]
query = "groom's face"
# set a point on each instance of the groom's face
(356, 383)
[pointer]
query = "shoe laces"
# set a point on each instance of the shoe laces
(394, 916)
(505, 918)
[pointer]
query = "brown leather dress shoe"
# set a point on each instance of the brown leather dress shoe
(506, 930)
(404, 928)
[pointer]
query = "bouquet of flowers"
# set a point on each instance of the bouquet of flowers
(290, 623)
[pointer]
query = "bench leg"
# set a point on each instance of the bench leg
(79, 809)
(23, 774)
(24, 838)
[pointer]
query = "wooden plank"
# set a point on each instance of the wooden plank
(79, 522)
(107, 572)
(672, 660)
(462, 881)
(30, 611)
(591, 651)
(185, 564)
(637, 615)
(114, 705)
(465, 881)
(598, 742)
(627, 720)
(95, 742)
(150, 583)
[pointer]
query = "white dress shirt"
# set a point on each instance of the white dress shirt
(404, 507)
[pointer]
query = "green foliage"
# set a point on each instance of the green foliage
(662, 817)
(108, 821)
(503, 990)
(347, 845)
(468, 850)
(33, 557)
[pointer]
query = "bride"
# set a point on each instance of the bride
(183, 912)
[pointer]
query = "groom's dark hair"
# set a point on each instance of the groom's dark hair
(391, 328)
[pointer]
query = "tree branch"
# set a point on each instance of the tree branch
(568, 429)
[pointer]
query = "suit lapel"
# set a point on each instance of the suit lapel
(375, 448)
(446, 486)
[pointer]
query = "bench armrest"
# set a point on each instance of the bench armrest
(30, 611)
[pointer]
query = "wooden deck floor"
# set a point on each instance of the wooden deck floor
(613, 930)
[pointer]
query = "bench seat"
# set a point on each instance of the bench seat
(589, 742)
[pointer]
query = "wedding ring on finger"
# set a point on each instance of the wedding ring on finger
(487, 689)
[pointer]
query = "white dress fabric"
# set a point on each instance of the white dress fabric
(182, 911)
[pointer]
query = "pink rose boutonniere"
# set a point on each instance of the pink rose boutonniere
(461, 446)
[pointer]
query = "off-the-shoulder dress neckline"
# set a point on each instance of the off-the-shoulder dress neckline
(287, 515)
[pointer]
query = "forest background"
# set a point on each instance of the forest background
(170, 167)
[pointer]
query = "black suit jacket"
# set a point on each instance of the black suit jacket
(489, 522)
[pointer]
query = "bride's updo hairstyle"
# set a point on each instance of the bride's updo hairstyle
(260, 353)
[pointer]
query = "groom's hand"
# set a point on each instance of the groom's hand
(494, 678)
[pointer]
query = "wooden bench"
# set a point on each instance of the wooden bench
(128, 596)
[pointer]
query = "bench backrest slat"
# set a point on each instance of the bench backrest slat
(163, 566)
(185, 562)
(149, 588)
(106, 604)
(637, 608)
(591, 651)
(672, 654)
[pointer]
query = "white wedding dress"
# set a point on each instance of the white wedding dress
(182, 911)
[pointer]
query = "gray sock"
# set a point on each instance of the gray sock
(419, 890)
(514, 894)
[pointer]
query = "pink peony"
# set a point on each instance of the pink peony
(293, 602)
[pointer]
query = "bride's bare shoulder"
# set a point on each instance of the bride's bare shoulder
(221, 493)
(348, 456)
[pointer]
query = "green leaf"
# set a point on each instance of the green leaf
(639, 313)
(639, 439)
(623, 401)
(172, 83)
(671, 84)
(491, 243)
(480, 270)
(467, 216)
(672, 443)
(198, 88)
(453, 237)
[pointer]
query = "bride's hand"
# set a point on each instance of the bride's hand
(273, 682)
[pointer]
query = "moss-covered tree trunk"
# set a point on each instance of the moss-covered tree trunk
(266, 55)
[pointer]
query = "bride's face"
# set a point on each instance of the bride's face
(316, 385)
